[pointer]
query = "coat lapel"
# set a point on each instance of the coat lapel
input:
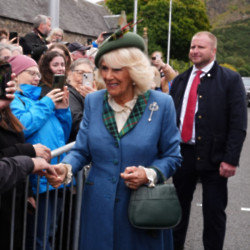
(136, 113)
(134, 117)
(108, 116)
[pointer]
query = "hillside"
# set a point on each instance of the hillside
(224, 12)
(230, 21)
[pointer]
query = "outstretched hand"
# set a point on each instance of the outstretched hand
(61, 172)
(42, 167)
(42, 151)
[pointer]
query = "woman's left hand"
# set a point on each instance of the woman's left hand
(134, 177)
(65, 100)
(84, 90)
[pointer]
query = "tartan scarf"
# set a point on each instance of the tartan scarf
(108, 116)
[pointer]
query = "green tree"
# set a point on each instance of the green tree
(188, 17)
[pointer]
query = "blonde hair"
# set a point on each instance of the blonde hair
(211, 36)
(137, 64)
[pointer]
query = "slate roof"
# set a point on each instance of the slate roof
(75, 16)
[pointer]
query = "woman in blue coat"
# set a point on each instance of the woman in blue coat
(129, 135)
(46, 121)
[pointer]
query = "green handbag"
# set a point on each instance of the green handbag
(154, 207)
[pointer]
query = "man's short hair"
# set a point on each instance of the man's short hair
(40, 19)
(210, 35)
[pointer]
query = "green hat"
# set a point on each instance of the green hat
(129, 39)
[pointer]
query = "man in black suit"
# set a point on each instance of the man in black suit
(213, 131)
(34, 43)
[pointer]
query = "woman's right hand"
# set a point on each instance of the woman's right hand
(42, 151)
(61, 172)
(56, 95)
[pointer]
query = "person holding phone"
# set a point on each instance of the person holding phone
(46, 120)
(78, 90)
(51, 63)
(166, 71)
(62, 49)
(13, 145)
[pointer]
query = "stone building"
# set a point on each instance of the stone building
(79, 19)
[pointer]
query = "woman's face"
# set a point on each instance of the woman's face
(29, 76)
(76, 75)
(118, 83)
(57, 37)
(57, 65)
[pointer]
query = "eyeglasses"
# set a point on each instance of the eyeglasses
(58, 35)
(80, 72)
(33, 73)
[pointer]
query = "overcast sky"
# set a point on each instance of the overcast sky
(93, 1)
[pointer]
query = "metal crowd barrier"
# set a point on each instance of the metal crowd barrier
(72, 229)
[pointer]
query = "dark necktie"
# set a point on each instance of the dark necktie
(187, 128)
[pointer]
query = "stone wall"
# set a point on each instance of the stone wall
(23, 28)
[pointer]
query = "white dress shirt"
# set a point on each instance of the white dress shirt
(186, 95)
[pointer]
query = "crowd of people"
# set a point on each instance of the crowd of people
(133, 118)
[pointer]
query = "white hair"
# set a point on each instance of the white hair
(136, 62)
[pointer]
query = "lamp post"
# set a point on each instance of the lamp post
(169, 30)
(135, 16)
(54, 11)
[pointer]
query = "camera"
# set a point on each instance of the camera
(5, 76)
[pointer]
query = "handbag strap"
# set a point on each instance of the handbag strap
(161, 177)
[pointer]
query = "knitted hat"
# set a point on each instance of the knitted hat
(20, 63)
(127, 40)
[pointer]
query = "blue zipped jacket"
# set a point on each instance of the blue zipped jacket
(42, 123)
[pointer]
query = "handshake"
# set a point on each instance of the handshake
(55, 174)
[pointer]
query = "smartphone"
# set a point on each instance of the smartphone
(106, 35)
(87, 79)
(13, 35)
(5, 76)
(58, 81)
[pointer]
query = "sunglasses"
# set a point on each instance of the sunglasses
(155, 57)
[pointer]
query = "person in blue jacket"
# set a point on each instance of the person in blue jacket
(129, 134)
(46, 121)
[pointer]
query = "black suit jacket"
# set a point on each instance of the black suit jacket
(221, 119)
(34, 45)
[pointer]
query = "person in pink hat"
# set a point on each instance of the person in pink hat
(13, 145)
(46, 120)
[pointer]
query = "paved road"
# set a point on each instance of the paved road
(238, 209)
